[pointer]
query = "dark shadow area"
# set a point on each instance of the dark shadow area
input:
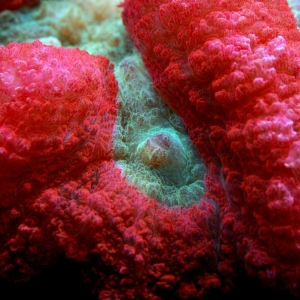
(60, 282)
(65, 281)
(256, 292)
(251, 289)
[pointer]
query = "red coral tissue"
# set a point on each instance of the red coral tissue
(58, 108)
(62, 196)
(231, 70)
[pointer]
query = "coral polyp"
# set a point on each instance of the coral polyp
(155, 151)
(165, 152)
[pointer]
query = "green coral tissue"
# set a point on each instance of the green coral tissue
(152, 146)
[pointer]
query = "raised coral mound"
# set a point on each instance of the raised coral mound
(58, 109)
(53, 117)
(230, 69)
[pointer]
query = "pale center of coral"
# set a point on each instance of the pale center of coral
(155, 150)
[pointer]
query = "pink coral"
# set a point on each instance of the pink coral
(135, 246)
(50, 113)
(231, 70)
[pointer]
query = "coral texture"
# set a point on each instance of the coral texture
(74, 175)
(231, 70)
(92, 25)
(151, 144)
(62, 194)
(295, 6)
(17, 4)
(136, 248)
(57, 113)
(52, 116)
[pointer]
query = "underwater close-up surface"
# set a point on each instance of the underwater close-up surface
(149, 149)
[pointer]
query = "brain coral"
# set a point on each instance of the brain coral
(230, 69)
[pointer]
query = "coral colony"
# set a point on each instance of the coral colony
(154, 142)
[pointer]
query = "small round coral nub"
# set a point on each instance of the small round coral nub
(154, 151)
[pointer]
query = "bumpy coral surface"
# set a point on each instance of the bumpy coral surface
(58, 108)
(92, 25)
(68, 162)
(151, 144)
(62, 195)
(53, 116)
(231, 71)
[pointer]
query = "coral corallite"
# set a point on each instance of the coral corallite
(165, 152)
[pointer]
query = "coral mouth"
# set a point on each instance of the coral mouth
(155, 151)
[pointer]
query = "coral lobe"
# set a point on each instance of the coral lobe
(231, 71)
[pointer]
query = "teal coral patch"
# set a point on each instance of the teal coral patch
(151, 144)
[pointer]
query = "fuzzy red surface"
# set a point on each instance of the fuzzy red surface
(230, 69)
(57, 113)
(62, 196)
